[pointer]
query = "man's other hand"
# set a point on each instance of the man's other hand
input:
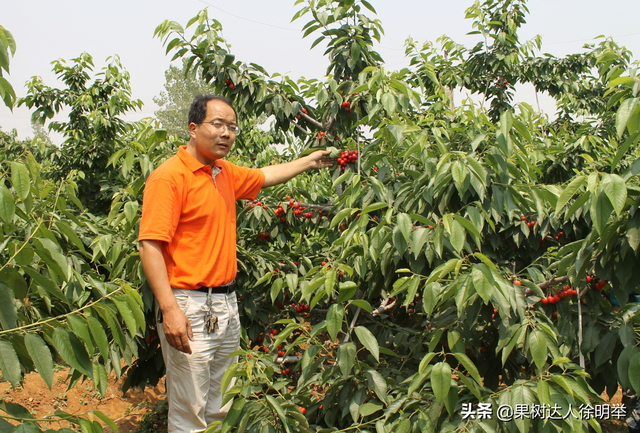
(177, 329)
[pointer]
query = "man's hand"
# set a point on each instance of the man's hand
(280, 173)
(320, 159)
(177, 329)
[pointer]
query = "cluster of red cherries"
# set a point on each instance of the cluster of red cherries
(346, 157)
(566, 292)
(262, 236)
(596, 283)
(301, 307)
(258, 203)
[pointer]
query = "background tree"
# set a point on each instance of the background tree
(180, 89)
(95, 129)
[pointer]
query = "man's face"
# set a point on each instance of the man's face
(208, 142)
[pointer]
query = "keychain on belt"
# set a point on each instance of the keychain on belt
(210, 320)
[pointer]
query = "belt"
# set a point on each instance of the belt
(229, 288)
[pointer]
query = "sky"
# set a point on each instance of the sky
(262, 32)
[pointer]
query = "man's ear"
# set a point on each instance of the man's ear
(192, 130)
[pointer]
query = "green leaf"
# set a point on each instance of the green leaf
(627, 107)
(568, 192)
(368, 340)
(388, 101)
(126, 314)
(276, 287)
(616, 191)
(79, 327)
(330, 281)
(419, 238)
(468, 226)
(483, 282)
(377, 384)
(7, 205)
(8, 313)
(9, 363)
(292, 282)
(72, 351)
(20, 179)
(99, 336)
(634, 372)
(233, 415)
(601, 210)
(335, 316)
(538, 348)
(469, 366)
(45, 283)
(65, 228)
(404, 222)
(441, 380)
(341, 215)
(106, 420)
(373, 207)
(346, 357)
(543, 393)
(52, 255)
(361, 303)
(623, 365)
(346, 291)
(278, 409)
(41, 357)
(458, 236)
(370, 408)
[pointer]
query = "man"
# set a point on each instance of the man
(188, 250)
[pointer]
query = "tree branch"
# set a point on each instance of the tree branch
(316, 206)
(553, 281)
(312, 120)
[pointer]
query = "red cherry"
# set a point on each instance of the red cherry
(303, 410)
(517, 283)
(544, 301)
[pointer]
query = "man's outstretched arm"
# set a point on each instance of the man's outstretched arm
(280, 173)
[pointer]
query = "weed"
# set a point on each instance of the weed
(156, 421)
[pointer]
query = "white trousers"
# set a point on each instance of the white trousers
(193, 381)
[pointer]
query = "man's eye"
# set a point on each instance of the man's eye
(232, 128)
(218, 125)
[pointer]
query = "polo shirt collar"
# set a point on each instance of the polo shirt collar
(193, 164)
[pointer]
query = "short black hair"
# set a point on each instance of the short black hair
(198, 109)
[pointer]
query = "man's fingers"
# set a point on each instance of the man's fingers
(184, 344)
(189, 332)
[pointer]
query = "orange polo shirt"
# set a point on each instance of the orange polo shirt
(194, 217)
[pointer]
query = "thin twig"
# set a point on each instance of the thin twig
(352, 325)
(384, 306)
(288, 359)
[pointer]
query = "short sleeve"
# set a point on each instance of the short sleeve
(247, 182)
(161, 208)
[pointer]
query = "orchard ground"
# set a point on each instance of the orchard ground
(127, 410)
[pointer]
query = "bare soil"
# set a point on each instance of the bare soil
(127, 410)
